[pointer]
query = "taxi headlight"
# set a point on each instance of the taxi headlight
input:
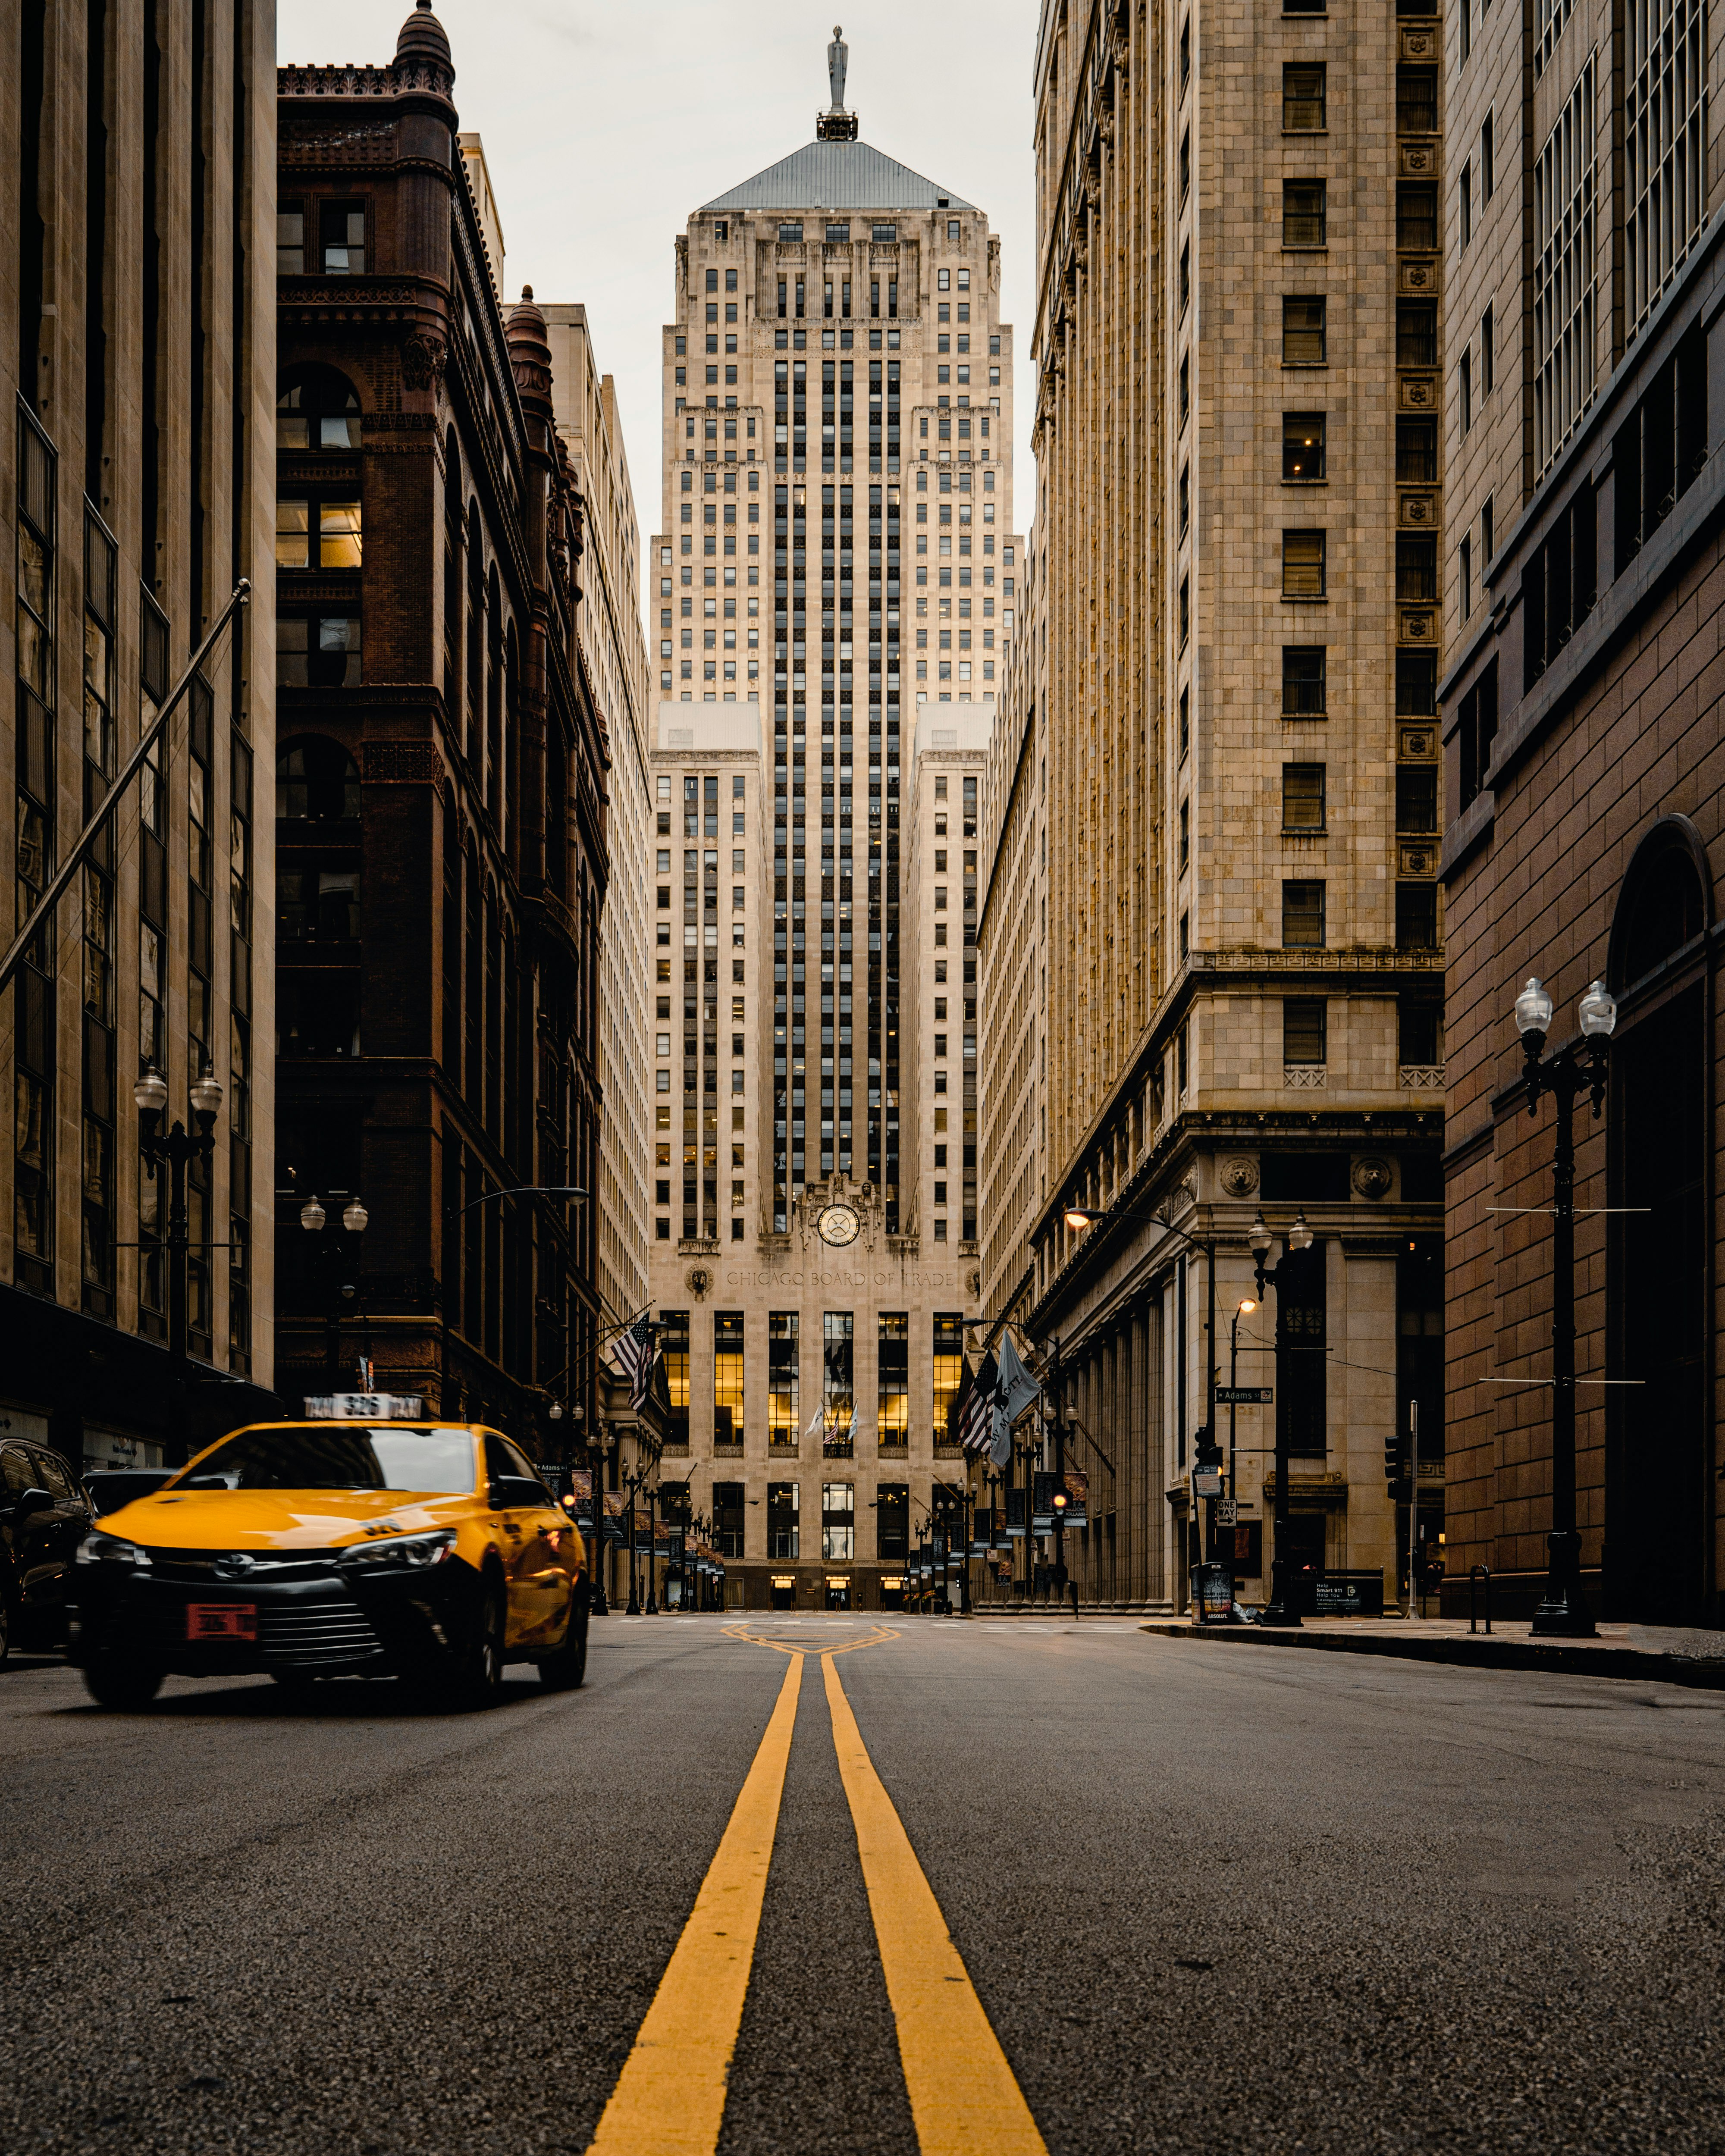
(111, 1549)
(414, 1550)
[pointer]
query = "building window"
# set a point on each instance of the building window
(1303, 569)
(838, 1393)
(892, 1364)
(289, 239)
(782, 1540)
(892, 1522)
(1416, 799)
(1305, 1031)
(1466, 217)
(674, 1346)
(1416, 333)
(1665, 158)
(1303, 445)
(1303, 796)
(1565, 212)
(1416, 916)
(1416, 215)
(1415, 684)
(1304, 214)
(317, 781)
(837, 1522)
(1304, 687)
(727, 1376)
(341, 228)
(317, 410)
(317, 651)
(316, 535)
(1304, 337)
(1416, 452)
(1304, 98)
(1416, 568)
(1302, 917)
(730, 1516)
(948, 1368)
(781, 1377)
(1416, 95)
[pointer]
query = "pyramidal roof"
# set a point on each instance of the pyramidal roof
(826, 175)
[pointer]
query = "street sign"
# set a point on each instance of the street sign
(1245, 1396)
(1206, 1481)
(1227, 1511)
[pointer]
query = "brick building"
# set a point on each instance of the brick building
(1237, 363)
(137, 336)
(1584, 417)
(441, 846)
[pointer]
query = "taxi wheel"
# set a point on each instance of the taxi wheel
(123, 1681)
(478, 1681)
(565, 1670)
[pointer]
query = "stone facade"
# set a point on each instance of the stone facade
(1237, 352)
(441, 809)
(615, 651)
(836, 564)
(137, 339)
(1583, 778)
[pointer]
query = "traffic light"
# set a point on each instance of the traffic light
(1206, 1451)
(1057, 1504)
(1392, 1464)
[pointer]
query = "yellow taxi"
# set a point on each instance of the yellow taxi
(426, 1551)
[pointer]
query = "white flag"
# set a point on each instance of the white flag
(1018, 1388)
(1000, 1450)
(816, 1423)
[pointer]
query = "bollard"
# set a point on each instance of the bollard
(1476, 1574)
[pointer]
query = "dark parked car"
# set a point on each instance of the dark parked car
(109, 1488)
(43, 1516)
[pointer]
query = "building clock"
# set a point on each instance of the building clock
(838, 1224)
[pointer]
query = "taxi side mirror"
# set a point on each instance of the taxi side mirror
(34, 1500)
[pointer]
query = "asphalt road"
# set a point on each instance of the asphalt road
(1223, 1900)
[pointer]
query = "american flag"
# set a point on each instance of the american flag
(635, 1353)
(976, 1410)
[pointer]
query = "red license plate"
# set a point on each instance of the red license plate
(222, 1620)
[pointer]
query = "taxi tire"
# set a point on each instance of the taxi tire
(479, 1670)
(125, 1683)
(565, 1669)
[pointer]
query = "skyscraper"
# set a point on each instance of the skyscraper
(1236, 351)
(836, 565)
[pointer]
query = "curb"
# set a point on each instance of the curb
(1477, 1652)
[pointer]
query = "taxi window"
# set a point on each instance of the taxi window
(512, 1479)
(519, 1463)
(338, 1456)
(20, 1475)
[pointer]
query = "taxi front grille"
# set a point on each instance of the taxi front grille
(316, 1634)
(260, 1568)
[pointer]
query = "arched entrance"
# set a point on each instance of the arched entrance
(1658, 1555)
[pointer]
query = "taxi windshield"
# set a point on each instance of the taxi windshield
(339, 1456)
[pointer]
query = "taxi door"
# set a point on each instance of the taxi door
(532, 1530)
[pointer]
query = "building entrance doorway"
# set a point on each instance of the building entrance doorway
(784, 1591)
(1303, 1548)
(837, 1593)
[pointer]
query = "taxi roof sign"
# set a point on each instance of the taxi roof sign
(365, 1407)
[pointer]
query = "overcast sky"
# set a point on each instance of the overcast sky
(606, 121)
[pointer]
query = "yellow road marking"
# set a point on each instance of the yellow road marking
(964, 2099)
(670, 2100)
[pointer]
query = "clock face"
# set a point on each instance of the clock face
(838, 1224)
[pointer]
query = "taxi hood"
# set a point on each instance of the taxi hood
(278, 1519)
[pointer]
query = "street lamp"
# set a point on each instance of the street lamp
(1280, 1610)
(1577, 1067)
(335, 1244)
(174, 1149)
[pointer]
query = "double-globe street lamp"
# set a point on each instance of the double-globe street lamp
(336, 1255)
(1281, 1609)
(174, 1149)
(1578, 1066)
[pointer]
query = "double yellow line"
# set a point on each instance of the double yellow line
(670, 2100)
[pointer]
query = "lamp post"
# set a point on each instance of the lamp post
(336, 1245)
(174, 1149)
(1280, 1610)
(1578, 1066)
(1246, 1304)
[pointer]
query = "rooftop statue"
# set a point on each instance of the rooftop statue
(838, 58)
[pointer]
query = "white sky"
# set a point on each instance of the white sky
(606, 124)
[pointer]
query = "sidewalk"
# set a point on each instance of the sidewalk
(1666, 1653)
